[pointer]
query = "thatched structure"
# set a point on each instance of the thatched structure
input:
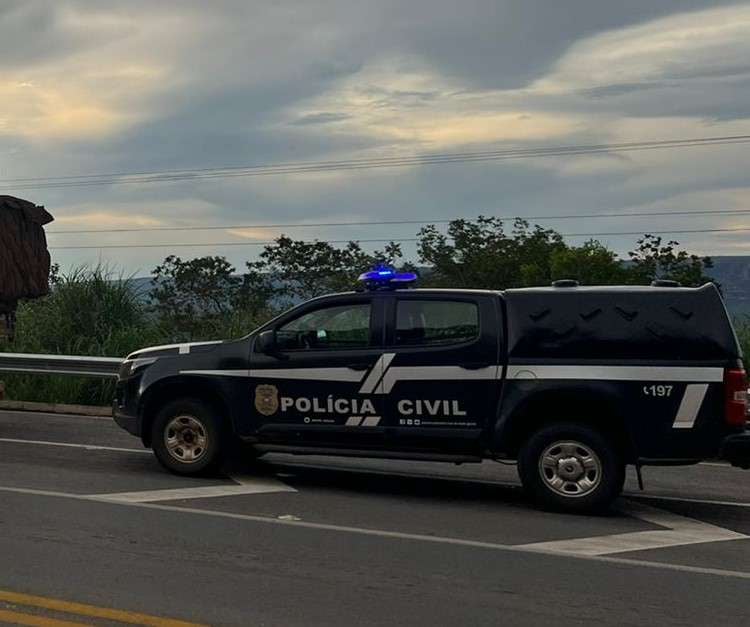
(24, 259)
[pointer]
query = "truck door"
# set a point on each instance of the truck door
(441, 376)
(309, 391)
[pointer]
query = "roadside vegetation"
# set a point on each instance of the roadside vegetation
(96, 311)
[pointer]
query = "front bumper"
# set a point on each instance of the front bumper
(736, 450)
(126, 421)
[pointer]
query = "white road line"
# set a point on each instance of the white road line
(52, 414)
(679, 499)
(680, 531)
(242, 485)
(717, 572)
(89, 447)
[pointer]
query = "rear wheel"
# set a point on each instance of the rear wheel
(571, 467)
(187, 438)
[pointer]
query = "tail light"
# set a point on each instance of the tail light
(735, 405)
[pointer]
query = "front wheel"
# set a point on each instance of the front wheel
(187, 439)
(571, 467)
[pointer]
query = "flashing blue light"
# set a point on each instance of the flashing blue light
(386, 278)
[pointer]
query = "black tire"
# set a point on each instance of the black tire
(571, 468)
(193, 424)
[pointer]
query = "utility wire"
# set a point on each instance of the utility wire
(381, 240)
(356, 164)
(219, 227)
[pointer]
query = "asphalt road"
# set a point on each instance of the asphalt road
(93, 531)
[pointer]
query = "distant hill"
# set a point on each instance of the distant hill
(732, 273)
(142, 286)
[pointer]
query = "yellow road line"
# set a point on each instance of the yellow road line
(68, 607)
(16, 618)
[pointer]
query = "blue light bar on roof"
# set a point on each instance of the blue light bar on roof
(383, 278)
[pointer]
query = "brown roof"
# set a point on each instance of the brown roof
(24, 259)
(32, 212)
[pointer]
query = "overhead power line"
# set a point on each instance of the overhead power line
(220, 227)
(381, 240)
(87, 180)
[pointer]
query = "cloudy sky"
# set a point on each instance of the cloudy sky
(137, 86)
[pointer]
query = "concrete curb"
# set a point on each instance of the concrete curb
(56, 408)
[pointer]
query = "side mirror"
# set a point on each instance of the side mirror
(266, 342)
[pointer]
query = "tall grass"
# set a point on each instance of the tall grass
(93, 311)
(90, 311)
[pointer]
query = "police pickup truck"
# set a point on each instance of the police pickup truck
(572, 382)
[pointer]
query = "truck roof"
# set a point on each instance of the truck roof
(543, 290)
(620, 322)
(606, 289)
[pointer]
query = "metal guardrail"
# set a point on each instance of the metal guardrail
(78, 365)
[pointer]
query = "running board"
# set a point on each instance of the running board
(348, 452)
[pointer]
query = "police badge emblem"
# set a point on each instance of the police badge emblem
(267, 399)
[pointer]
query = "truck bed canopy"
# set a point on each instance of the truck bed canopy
(610, 324)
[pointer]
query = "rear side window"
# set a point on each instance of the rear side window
(434, 322)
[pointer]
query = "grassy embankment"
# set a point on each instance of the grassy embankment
(92, 312)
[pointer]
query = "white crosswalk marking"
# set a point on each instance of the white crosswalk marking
(242, 485)
(679, 531)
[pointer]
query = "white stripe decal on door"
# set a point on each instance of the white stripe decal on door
(346, 375)
(699, 374)
(690, 406)
(435, 373)
(381, 365)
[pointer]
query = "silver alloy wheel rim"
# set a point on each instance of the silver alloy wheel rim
(186, 439)
(570, 469)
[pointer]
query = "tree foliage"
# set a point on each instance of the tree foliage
(193, 298)
(654, 259)
(302, 270)
(481, 254)
(185, 294)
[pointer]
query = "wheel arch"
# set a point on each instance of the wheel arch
(176, 387)
(595, 407)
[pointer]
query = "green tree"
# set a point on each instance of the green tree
(654, 259)
(196, 298)
(481, 254)
(302, 270)
(589, 264)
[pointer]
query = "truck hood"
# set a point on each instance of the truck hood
(170, 350)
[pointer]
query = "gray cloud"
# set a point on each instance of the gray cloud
(192, 84)
(320, 118)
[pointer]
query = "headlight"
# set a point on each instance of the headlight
(130, 366)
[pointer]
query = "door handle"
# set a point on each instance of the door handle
(476, 365)
(359, 367)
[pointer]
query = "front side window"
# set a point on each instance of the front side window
(432, 322)
(340, 327)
